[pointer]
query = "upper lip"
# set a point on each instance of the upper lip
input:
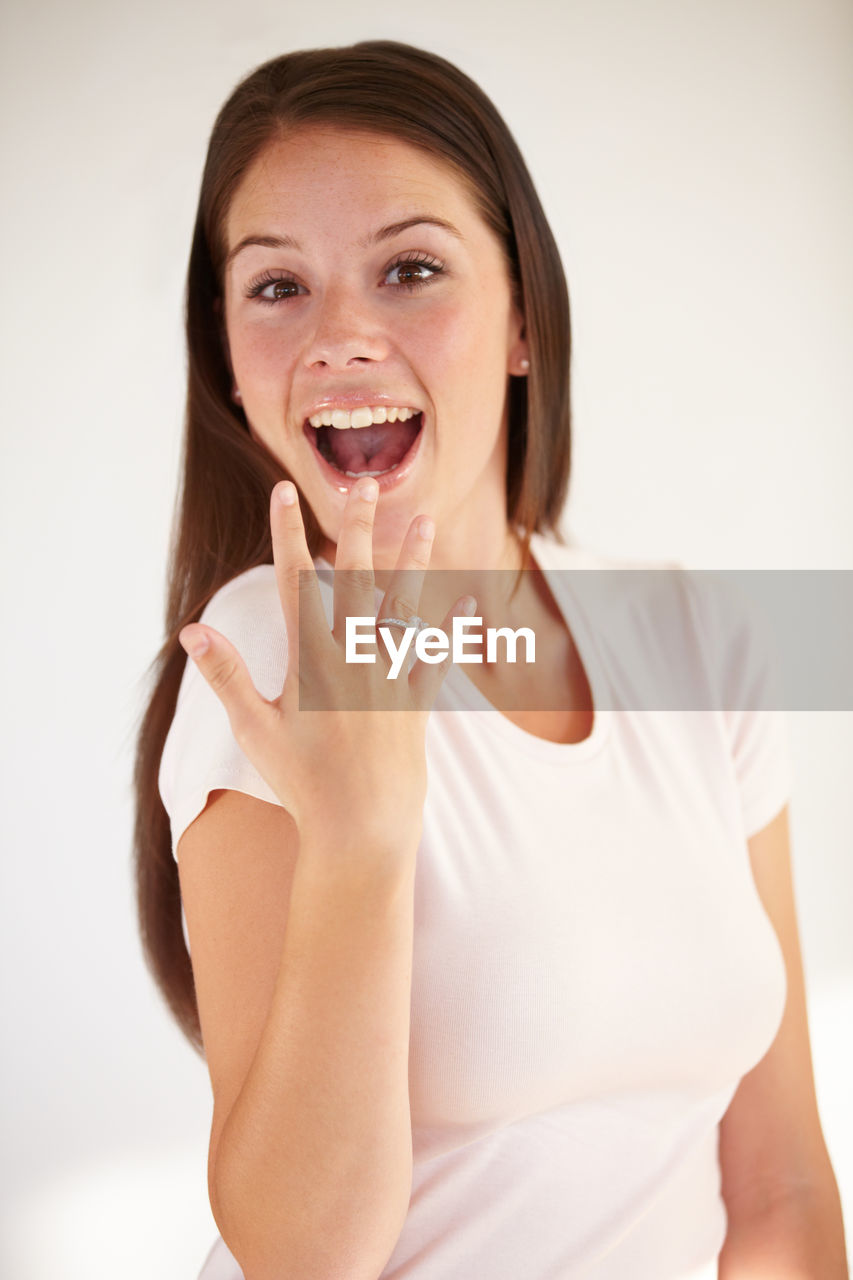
(359, 400)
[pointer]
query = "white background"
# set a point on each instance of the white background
(694, 159)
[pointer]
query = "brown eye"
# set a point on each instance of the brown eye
(274, 289)
(284, 289)
(408, 272)
(411, 273)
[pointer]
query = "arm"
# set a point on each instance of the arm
(779, 1189)
(303, 981)
(300, 921)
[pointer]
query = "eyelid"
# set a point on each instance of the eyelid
(415, 255)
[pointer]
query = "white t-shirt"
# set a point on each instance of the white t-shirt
(593, 970)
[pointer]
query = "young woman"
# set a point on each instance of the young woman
(508, 994)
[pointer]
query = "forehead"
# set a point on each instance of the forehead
(324, 174)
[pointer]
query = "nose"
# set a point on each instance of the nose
(346, 332)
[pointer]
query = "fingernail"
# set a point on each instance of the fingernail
(368, 490)
(469, 606)
(287, 493)
(195, 643)
(426, 528)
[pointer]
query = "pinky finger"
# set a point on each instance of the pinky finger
(426, 678)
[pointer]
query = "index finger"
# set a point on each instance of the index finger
(296, 576)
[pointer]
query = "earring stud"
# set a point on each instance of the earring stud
(525, 364)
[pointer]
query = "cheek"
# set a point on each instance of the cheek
(259, 354)
(463, 344)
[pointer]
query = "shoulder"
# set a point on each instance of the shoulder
(251, 597)
(619, 593)
(553, 554)
(717, 600)
(247, 611)
(200, 754)
(694, 638)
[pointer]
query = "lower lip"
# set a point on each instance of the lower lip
(389, 480)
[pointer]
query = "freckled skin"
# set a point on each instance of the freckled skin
(446, 347)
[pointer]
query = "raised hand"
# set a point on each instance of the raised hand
(361, 764)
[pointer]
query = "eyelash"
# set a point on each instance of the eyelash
(256, 287)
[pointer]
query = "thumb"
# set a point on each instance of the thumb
(229, 678)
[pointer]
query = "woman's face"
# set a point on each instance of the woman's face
(361, 276)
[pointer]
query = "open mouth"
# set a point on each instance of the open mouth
(376, 450)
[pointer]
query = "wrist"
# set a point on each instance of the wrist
(360, 844)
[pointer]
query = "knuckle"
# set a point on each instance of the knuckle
(418, 552)
(402, 606)
(297, 580)
(362, 517)
(222, 673)
(360, 579)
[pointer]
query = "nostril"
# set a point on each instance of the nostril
(349, 342)
(322, 363)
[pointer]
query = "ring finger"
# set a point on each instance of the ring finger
(402, 599)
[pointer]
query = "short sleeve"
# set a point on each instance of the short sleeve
(201, 754)
(744, 663)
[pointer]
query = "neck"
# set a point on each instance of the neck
(492, 578)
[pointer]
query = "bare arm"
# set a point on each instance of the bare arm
(780, 1191)
(303, 973)
(300, 924)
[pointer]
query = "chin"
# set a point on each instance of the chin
(389, 532)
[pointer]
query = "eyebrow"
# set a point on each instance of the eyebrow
(384, 233)
(419, 219)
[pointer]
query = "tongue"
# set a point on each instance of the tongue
(376, 448)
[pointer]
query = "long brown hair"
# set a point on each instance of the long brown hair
(221, 523)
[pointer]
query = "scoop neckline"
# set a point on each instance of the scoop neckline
(584, 640)
(464, 691)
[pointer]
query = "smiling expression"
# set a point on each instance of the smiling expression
(361, 274)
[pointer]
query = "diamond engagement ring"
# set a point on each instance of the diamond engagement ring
(414, 621)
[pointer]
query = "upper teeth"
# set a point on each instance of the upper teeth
(363, 417)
